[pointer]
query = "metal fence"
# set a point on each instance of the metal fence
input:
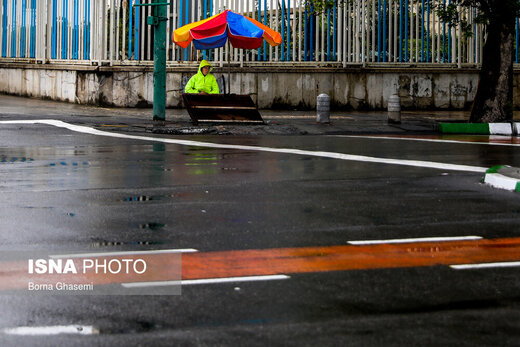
(115, 32)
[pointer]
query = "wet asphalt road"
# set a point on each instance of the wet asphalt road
(66, 191)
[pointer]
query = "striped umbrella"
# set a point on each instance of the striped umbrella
(213, 32)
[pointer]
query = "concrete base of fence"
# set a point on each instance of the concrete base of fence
(271, 86)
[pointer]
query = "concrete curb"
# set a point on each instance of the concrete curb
(503, 177)
(508, 129)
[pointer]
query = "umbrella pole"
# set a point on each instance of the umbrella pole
(229, 67)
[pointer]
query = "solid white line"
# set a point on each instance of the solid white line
(109, 254)
(205, 281)
(52, 330)
(333, 155)
(430, 140)
(485, 265)
(414, 240)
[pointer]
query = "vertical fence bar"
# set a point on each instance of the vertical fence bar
(373, 20)
(64, 36)
(334, 30)
(300, 30)
(379, 29)
(33, 29)
(306, 35)
(186, 20)
(428, 32)
(294, 29)
(136, 31)
(76, 30)
(416, 13)
(130, 28)
(23, 30)
(118, 28)
(265, 23)
(406, 58)
(322, 35)
(111, 31)
(328, 34)
(410, 37)
(143, 30)
(384, 38)
(340, 33)
(258, 18)
(288, 30)
(400, 30)
(13, 30)
(54, 25)
(283, 31)
(4, 28)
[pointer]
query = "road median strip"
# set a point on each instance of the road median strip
(507, 129)
(503, 177)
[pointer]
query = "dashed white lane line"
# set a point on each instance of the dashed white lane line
(109, 254)
(205, 281)
(486, 265)
(52, 330)
(415, 240)
(430, 140)
(333, 155)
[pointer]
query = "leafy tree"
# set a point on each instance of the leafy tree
(494, 98)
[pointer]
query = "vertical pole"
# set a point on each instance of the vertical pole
(159, 69)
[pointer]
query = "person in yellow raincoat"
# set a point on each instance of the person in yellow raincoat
(203, 82)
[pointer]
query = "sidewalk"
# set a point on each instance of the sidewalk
(178, 122)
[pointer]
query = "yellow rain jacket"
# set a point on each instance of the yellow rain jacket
(200, 83)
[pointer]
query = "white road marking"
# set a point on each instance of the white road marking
(52, 330)
(485, 265)
(333, 155)
(205, 281)
(109, 254)
(415, 240)
(431, 140)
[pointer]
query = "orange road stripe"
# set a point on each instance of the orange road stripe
(240, 263)
(341, 258)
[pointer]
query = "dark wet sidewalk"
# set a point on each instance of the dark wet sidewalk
(178, 122)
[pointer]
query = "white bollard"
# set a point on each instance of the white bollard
(323, 109)
(394, 109)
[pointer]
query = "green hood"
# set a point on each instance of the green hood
(205, 63)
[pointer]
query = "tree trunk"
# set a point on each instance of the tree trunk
(494, 98)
